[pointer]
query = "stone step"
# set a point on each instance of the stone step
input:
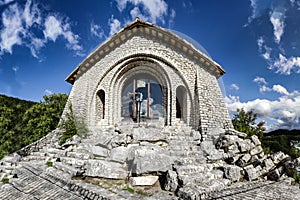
(74, 171)
(184, 143)
(184, 148)
(56, 152)
(190, 160)
(186, 153)
(79, 155)
(185, 137)
(38, 153)
(203, 190)
(33, 157)
(75, 162)
(193, 169)
(201, 178)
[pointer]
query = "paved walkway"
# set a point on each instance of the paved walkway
(39, 182)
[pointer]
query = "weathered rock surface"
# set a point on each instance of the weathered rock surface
(143, 180)
(186, 166)
(147, 159)
(105, 169)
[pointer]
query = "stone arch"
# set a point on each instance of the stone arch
(113, 80)
(142, 69)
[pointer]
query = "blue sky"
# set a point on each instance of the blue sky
(257, 42)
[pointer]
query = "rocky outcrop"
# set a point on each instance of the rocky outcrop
(173, 159)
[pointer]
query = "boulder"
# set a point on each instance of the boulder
(149, 134)
(235, 132)
(268, 164)
(171, 181)
(251, 172)
(278, 157)
(143, 180)
(105, 169)
(232, 172)
(119, 154)
(244, 145)
(256, 150)
(226, 141)
(99, 151)
(255, 140)
(148, 159)
(244, 160)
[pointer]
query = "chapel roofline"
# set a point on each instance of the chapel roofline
(139, 26)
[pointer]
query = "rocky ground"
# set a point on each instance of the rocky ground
(148, 162)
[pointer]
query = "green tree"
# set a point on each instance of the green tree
(43, 117)
(246, 122)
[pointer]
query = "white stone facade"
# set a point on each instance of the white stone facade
(147, 51)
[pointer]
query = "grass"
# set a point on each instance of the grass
(128, 189)
(5, 180)
(49, 164)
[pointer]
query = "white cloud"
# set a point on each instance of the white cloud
(277, 20)
(264, 88)
(114, 25)
(264, 49)
(121, 4)
(48, 92)
(285, 65)
(153, 10)
(285, 111)
(53, 28)
(97, 31)
(260, 80)
(4, 2)
(12, 29)
(135, 12)
(19, 21)
(280, 89)
(234, 87)
(15, 69)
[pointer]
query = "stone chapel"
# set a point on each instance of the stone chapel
(145, 72)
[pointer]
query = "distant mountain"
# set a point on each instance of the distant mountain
(283, 132)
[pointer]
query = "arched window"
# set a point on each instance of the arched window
(181, 103)
(101, 106)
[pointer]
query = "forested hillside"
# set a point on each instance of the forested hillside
(23, 122)
(283, 140)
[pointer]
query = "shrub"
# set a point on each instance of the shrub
(71, 126)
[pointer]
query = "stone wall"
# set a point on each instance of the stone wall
(206, 109)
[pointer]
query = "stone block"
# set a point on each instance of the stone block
(232, 172)
(147, 159)
(105, 169)
(171, 181)
(244, 145)
(119, 154)
(148, 134)
(244, 160)
(251, 172)
(256, 150)
(268, 164)
(143, 180)
(255, 140)
(278, 157)
(99, 151)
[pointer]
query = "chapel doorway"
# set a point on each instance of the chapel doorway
(142, 99)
